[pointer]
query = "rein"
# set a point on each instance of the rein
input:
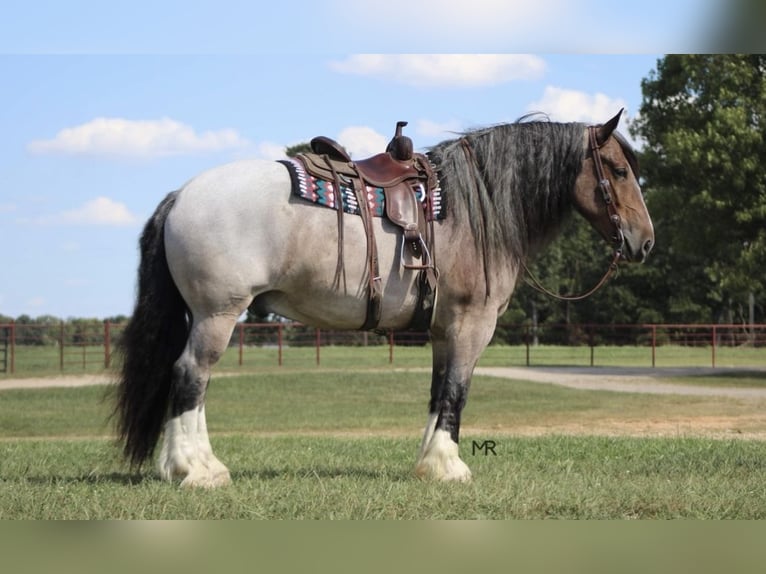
(618, 238)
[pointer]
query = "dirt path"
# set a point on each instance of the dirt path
(54, 381)
(619, 379)
(625, 379)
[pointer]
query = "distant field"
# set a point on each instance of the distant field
(34, 360)
(339, 444)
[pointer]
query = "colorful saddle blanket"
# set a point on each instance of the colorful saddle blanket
(323, 192)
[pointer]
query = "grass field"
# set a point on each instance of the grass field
(339, 444)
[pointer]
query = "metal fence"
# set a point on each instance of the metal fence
(82, 346)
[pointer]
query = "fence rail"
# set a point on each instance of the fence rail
(79, 346)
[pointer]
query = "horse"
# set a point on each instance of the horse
(236, 237)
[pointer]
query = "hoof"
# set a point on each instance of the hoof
(206, 479)
(441, 461)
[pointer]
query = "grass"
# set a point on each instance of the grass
(338, 444)
(393, 403)
(318, 478)
(736, 379)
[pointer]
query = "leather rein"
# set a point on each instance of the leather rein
(618, 239)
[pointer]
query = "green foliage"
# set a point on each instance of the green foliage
(703, 120)
(293, 150)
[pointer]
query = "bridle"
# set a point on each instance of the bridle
(618, 239)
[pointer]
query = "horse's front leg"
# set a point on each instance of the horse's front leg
(453, 364)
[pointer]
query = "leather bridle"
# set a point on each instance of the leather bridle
(618, 239)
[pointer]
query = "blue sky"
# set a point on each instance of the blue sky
(103, 116)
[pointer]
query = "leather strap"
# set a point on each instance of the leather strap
(374, 290)
(340, 268)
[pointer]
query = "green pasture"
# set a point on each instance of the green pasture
(328, 443)
(44, 360)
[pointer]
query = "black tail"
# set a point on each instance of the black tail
(153, 339)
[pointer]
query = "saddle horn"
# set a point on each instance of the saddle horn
(400, 146)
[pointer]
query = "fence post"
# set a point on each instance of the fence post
(318, 342)
(13, 347)
(712, 348)
(591, 342)
(61, 347)
(526, 340)
(390, 346)
(107, 345)
(279, 344)
(6, 335)
(654, 345)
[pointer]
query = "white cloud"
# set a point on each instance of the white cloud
(271, 150)
(119, 137)
(98, 211)
(444, 70)
(574, 106)
(443, 130)
(362, 141)
(7, 207)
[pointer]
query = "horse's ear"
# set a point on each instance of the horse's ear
(605, 130)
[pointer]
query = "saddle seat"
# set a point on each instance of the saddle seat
(381, 170)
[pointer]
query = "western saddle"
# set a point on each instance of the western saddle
(402, 175)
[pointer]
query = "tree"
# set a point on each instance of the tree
(703, 118)
(293, 150)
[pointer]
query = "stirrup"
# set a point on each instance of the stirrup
(427, 262)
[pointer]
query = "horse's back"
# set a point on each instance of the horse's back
(232, 192)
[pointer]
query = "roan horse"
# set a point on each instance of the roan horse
(235, 236)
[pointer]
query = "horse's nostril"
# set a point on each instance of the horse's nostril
(648, 246)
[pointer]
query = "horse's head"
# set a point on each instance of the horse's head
(608, 195)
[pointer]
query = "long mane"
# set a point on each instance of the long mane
(511, 183)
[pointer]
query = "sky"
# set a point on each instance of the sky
(104, 112)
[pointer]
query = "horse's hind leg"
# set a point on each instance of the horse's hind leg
(186, 451)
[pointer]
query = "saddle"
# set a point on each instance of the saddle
(403, 176)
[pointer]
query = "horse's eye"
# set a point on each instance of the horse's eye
(621, 172)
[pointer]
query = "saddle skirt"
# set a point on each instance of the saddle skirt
(322, 191)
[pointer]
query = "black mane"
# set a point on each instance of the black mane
(511, 183)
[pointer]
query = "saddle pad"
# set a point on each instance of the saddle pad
(323, 192)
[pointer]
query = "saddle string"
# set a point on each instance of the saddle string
(340, 268)
(471, 157)
(374, 290)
